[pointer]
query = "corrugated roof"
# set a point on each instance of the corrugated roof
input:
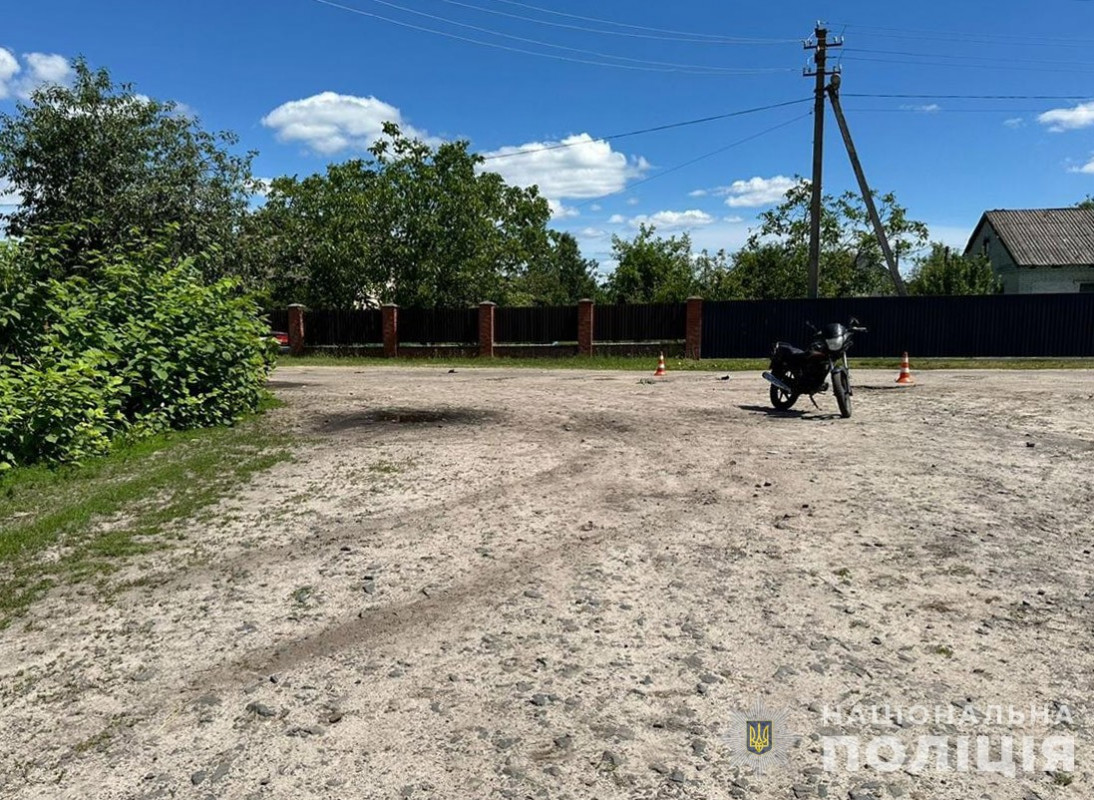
(1046, 237)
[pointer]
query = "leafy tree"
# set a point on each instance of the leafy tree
(562, 277)
(133, 342)
(97, 152)
(764, 271)
(651, 269)
(1086, 202)
(944, 273)
(774, 262)
(412, 225)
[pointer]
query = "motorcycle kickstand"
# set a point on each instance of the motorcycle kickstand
(813, 400)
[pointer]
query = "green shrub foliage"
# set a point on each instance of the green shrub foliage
(132, 342)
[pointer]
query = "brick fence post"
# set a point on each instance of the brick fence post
(585, 331)
(486, 328)
(296, 329)
(694, 346)
(389, 317)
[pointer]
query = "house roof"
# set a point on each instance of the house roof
(1043, 237)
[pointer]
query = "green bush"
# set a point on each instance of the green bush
(132, 343)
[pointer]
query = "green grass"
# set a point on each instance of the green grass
(647, 364)
(110, 509)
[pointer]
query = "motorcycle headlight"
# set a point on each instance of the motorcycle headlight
(836, 343)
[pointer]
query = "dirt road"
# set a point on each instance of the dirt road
(511, 583)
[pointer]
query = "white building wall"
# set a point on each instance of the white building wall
(1029, 280)
(1053, 279)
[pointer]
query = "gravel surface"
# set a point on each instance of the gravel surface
(532, 584)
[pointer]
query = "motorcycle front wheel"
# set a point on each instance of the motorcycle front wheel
(781, 400)
(841, 387)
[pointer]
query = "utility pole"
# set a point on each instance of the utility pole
(820, 60)
(864, 187)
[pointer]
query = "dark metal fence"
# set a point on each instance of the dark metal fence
(438, 325)
(536, 325)
(279, 319)
(640, 323)
(1034, 326)
(326, 328)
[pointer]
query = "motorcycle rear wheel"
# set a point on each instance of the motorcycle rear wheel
(841, 387)
(780, 399)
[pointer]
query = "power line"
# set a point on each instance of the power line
(654, 66)
(940, 110)
(655, 129)
(973, 38)
(492, 32)
(692, 38)
(950, 65)
(715, 38)
(962, 57)
(971, 96)
(697, 159)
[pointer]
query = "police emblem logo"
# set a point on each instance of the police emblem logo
(759, 738)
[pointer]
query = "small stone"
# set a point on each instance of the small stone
(533, 594)
(676, 776)
(564, 742)
(261, 710)
(305, 731)
(198, 777)
(334, 717)
(540, 700)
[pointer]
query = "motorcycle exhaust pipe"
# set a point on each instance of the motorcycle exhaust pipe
(776, 382)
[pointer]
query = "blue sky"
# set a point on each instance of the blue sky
(305, 82)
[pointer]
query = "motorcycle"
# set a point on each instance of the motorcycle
(795, 372)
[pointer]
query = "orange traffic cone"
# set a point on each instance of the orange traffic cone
(905, 378)
(661, 371)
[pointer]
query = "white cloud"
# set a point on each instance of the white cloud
(559, 211)
(329, 123)
(1085, 169)
(616, 219)
(930, 108)
(48, 67)
(632, 201)
(41, 69)
(1014, 122)
(756, 192)
(698, 193)
(583, 167)
(1068, 119)
(733, 220)
(9, 68)
(673, 220)
(594, 207)
(592, 233)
